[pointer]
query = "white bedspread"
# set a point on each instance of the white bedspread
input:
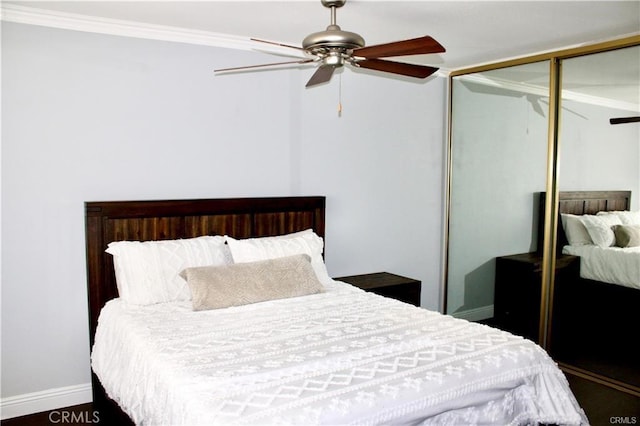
(612, 265)
(340, 357)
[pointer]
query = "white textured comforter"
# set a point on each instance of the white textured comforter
(612, 265)
(339, 357)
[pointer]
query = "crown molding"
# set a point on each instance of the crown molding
(544, 92)
(85, 23)
(76, 22)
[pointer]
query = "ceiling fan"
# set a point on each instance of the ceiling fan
(333, 48)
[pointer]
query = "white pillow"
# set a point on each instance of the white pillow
(574, 229)
(600, 228)
(264, 248)
(629, 218)
(148, 272)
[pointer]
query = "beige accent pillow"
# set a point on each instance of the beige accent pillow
(627, 235)
(214, 287)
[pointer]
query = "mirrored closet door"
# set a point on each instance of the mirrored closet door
(532, 140)
(498, 160)
(595, 315)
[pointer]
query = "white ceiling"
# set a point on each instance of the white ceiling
(473, 32)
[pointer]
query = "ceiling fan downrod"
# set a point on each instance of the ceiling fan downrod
(333, 5)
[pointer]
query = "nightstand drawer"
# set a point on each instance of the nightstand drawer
(389, 285)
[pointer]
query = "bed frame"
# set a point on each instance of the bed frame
(173, 219)
(593, 317)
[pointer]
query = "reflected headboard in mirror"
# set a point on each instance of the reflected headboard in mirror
(579, 203)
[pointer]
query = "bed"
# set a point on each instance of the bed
(336, 356)
(592, 313)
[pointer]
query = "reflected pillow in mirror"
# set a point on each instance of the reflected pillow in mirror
(628, 217)
(599, 228)
(575, 230)
(627, 235)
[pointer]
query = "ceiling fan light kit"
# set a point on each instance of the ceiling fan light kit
(333, 48)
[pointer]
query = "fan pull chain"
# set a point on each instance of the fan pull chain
(340, 95)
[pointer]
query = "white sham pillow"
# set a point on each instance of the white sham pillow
(600, 228)
(574, 229)
(264, 248)
(629, 217)
(149, 272)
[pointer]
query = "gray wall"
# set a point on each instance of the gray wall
(97, 117)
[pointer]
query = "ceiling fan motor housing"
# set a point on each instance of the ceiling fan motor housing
(334, 38)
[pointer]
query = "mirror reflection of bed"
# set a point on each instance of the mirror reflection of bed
(594, 322)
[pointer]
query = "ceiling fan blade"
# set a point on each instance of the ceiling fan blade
(410, 70)
(322, 75)
(277, 44)
(248, 67)
(622, 120)
(415, 46)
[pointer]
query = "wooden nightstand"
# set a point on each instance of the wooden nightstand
(517, 290)
(387, 284)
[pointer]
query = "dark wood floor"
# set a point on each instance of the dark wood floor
(603, 406)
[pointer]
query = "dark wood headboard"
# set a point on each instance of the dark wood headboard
(583, 202)
(172, 219)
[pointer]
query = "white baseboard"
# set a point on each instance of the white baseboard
(477, 314)
(50, 399)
